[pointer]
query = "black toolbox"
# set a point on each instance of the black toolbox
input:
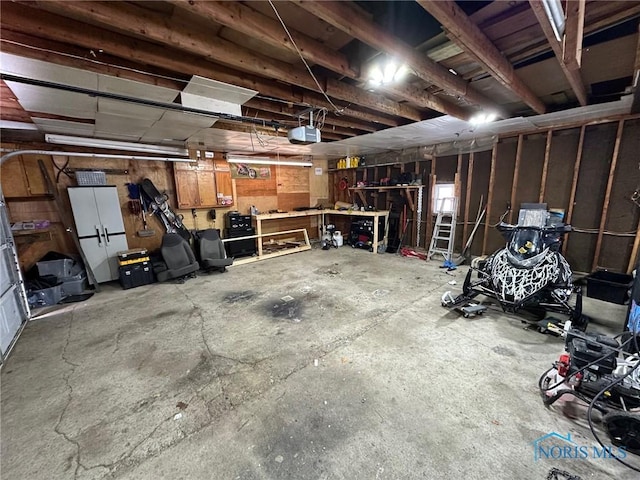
(609, 286)
(135, 275)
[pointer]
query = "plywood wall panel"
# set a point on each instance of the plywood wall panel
(318, 184)
(262, 203)
(248, 187)
(290, 201)
(294, 186)
(292, 179)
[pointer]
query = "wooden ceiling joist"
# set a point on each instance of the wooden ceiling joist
(463, 31)
(244, 19)
(37, 23)
(291, 111)
(573, 76)
(138, 22)
(574, 30)
(635, 106)
(344, 16)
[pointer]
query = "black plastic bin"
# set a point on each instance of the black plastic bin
(608, 286)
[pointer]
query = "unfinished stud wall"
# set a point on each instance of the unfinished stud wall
(590, 172)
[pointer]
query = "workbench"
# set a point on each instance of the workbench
(322, 214)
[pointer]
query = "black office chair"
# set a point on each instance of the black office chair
(178, 259)
(211, 250)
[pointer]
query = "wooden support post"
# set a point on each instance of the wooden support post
(574, 185)
(516, 172)
(465, 226)
(634, 251)
(492, 178)
(432, 184)
(607, 195)
(457, 181)
(545, 166)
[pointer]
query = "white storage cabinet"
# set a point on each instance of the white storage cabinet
(100, 228)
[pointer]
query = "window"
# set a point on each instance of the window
(444, 197)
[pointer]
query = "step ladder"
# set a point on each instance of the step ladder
(444, 230)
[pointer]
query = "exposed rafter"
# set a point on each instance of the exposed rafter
(463, 31)
(39, 23)
(136, 21)
(635, 106)
(346, 17)
(574, 30)
(244, 19)
(573, 76)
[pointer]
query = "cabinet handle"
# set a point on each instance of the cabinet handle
(106, 235)
(98, 232)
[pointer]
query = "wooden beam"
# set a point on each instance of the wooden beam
(635, 106)
(244, 19)
(432, 183)
(492, 180)
(288, 109)
(464, 32)
(599, 16)
(607, 195)
(425, 99)
(574, 186)
(467, 203)
(545, 166)
(133, 20)
(346, 17)
(516, 173)
(573, 76)
(38, 23)
(573, 33)
(574, 124)
(634, 251)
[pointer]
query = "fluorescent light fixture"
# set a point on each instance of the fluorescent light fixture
(8, 124)
(266, 161)
(13, 153)
(555, 14)
(114, 145)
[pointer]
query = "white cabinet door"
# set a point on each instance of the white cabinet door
(85, 212)
(96, 255)
(108, 207)
(96, 211)
(115, 244)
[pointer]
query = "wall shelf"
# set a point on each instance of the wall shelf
(407, 188)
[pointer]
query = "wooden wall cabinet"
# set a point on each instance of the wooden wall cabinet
(224, 185)
(195, 184)
(203, 184)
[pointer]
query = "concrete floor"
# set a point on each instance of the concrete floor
(361, 375)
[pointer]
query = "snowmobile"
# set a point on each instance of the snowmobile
(598, 373)
(528, 274)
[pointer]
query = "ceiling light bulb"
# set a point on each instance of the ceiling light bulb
(389, 72)
(400, 73)
(375, 75)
